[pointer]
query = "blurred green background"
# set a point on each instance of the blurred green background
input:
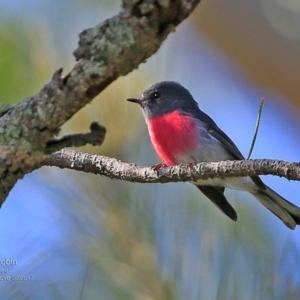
(88, 237)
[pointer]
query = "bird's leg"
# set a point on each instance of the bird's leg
(158, 166)
(191, 164)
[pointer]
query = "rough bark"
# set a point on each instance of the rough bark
(115, 169)
(105, 52)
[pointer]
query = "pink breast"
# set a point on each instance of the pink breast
(172, 134)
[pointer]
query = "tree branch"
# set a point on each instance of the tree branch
(105, 52)
(95, 137)
(115, 169)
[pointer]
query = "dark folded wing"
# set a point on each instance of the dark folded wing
(216, 196)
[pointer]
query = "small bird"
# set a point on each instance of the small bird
(181, 134)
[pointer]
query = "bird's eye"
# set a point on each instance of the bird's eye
(156, 95)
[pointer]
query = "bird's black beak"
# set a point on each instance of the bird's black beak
(136, 100)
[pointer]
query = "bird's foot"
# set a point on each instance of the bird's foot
(191, 164)
(158, 166)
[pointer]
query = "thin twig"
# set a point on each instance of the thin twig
(95, 137)
(262, 100)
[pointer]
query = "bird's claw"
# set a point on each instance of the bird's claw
(191, 164)
(158, 166)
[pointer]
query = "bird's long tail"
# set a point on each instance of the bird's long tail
(286, 211)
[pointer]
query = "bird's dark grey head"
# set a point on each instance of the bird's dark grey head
(164, 97)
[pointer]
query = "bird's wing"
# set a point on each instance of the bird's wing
(224, 139)
(217, 133)
(216, 196)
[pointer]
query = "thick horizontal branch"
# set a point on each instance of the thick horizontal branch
(115, 169)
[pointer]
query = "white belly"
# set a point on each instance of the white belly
(235, 183)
